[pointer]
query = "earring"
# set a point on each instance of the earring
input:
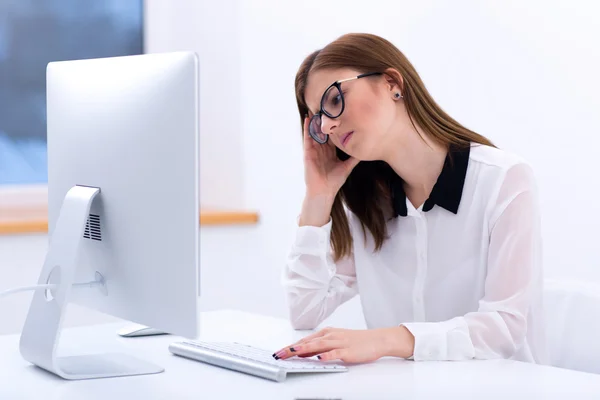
(397, 96)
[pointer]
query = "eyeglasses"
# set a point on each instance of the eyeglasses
(332, 105)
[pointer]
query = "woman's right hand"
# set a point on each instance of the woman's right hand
(324, 172)
(324, 175)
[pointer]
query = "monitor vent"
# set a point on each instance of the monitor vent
(92, 228)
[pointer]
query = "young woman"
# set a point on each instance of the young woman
(437, 228)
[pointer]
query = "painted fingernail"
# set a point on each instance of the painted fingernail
(279, 354)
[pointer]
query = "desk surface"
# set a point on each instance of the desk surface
(188, 379)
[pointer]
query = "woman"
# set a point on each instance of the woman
(438, 228)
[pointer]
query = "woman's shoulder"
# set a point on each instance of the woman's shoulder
(505, 168)
(495, 157)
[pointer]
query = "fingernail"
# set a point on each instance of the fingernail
(280, 354)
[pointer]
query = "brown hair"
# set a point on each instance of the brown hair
(366, 191)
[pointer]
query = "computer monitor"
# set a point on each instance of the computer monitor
(123, 204)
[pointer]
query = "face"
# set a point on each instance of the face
(369, 114)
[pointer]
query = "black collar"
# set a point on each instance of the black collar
(448, 189)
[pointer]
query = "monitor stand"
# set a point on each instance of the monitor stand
(43, 325)
(136, 330)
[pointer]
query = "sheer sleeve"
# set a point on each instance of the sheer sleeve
(314, 283)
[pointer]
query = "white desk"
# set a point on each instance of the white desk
(387, 378)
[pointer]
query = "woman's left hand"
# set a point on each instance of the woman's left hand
(352, 346)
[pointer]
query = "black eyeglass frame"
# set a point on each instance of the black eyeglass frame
(338, 85)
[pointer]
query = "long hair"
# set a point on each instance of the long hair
(366, 191)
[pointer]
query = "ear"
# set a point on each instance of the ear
(394, 81)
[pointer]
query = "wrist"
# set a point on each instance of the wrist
(316, 210)
(320, 198)
(398, 341)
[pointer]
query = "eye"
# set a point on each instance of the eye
(337, 99)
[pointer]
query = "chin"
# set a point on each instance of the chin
(364, 155)
(361, 149)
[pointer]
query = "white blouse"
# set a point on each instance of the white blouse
(463, 272)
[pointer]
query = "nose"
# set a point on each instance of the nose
(328, 124)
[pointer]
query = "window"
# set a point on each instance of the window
(33, 33)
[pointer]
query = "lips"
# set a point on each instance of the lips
(346, 137)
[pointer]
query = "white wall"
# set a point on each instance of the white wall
(21, 259)
(521, 73)
(525, 74)
(209, 28)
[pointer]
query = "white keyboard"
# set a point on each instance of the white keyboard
(249, 360)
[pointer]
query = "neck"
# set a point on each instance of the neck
(416, 158)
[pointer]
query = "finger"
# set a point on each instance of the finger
(308, 355)
(308, 140)
(315, 346)
(305, 339)
(291, 351)
(286, 350)
(345, 167)
(319, 334)
(293, 348)
(335, 354)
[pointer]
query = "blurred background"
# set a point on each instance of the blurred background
(522, 73)
(34, 33)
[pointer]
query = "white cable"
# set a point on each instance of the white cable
(27, 288)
